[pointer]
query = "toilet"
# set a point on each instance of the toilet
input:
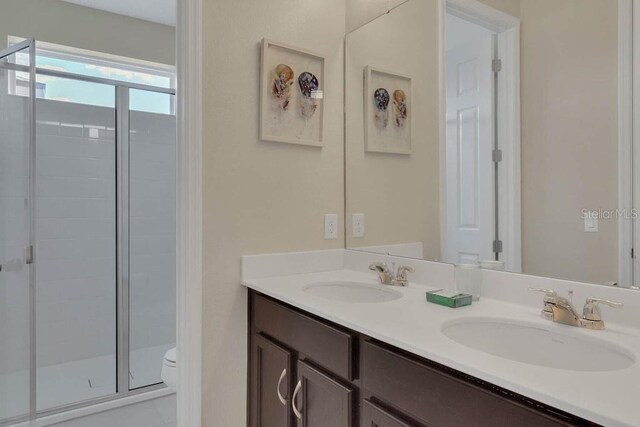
(168, 374)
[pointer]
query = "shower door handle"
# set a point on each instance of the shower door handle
(28, 255)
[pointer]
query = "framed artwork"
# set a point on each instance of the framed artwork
(387, 112)
(291, 95)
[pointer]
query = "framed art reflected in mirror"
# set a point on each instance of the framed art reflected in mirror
(387, 111)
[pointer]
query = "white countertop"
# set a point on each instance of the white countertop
(411, 323)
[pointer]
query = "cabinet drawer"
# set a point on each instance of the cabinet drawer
(325, 345)
(438, 398)
(376, 416)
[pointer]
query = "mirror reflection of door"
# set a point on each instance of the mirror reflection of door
(469, 189)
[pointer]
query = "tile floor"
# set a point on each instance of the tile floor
(160, 412)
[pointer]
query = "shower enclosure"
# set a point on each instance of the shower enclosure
(87, 239)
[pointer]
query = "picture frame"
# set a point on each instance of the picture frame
(291, 94)
(387, 112)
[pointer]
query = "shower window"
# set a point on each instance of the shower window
(55, 57)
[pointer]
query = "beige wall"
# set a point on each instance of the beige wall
(398, 194)
(510, 7)
(55, 21)
(359, 12)
(569, 136)
(259, 196)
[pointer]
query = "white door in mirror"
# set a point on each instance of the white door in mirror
(469, 144)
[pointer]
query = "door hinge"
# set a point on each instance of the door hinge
(28, 255)
(496, 155)
(496, 65)
(497, 246)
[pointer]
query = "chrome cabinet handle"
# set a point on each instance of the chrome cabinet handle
(293, 400)
(282, 375)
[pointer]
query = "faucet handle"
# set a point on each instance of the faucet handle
(591, 309)
(403, 270)
(549, 293)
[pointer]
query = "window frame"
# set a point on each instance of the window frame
(100, 59)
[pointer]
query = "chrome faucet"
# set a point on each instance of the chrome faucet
(384, 274)
(390, 277)
(560, 310)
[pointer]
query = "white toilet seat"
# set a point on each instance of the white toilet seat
(168, 374)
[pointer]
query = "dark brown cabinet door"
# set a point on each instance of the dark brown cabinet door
(375, 416)
(321, 401)
(270, 384)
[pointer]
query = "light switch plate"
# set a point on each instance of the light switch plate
(357, 225)
(331, 227)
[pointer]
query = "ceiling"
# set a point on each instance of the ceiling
(160, 11)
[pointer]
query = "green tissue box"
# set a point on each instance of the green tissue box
(448, 298)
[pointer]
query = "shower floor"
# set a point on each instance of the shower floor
(76, 381)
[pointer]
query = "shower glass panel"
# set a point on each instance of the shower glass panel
(15, 236)
(152, 228)
(76, 247)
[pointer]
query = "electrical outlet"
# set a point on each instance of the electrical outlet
(357, 225)
(591, 224)
(331, 227)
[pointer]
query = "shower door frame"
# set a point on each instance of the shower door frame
(30, 45)
(122, 140)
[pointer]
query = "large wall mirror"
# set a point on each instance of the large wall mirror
(490, 130)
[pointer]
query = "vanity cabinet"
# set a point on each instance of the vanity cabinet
(271, 368)
(296, 354)
(436, 397)
(322, 400)
(346, 379)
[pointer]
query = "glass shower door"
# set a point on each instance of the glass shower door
(16, 231)
(75, 246)
(152, 234)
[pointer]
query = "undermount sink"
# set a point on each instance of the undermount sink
(537, 345)
(352, 292)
